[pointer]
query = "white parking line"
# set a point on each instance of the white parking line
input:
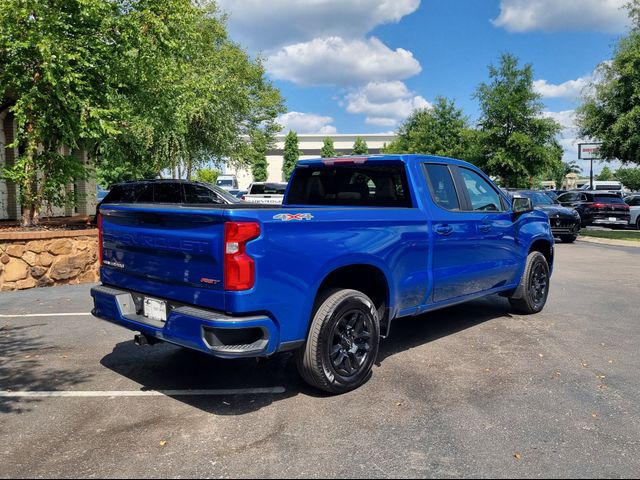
(143, 393)
(42, 315)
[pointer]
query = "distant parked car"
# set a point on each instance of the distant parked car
(597, 208)
(611, 186)
(169, 192)
(240, 194)
(227, 182)
(634, 206)
(565, 222)
(266, 193)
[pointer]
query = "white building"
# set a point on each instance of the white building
(309, 146)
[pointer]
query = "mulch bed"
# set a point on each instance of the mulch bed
(50, 225)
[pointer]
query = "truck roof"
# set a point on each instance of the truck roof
(406, 158)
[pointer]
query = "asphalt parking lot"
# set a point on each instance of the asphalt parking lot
(469, 391)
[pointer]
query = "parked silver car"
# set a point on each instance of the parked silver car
(634, 205)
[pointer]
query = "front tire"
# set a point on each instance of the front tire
(531, 295)
(342, 344)
(638, 223)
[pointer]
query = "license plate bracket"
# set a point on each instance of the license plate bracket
(155, 310)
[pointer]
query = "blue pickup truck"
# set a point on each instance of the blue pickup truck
(358, 242)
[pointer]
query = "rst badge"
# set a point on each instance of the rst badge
(287, 217)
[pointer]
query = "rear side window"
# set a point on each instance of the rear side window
(379, 185)
(612, 199)
(167, 193)
(130, 193)
(483, 196)
(443, 190)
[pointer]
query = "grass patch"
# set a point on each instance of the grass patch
(612, 234)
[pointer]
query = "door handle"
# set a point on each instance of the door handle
(444, 230)
(484, 227)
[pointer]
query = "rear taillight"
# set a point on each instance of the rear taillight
(100, 238)
(244, 197)
(239, 268)
(597, 206)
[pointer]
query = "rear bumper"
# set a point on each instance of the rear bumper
(207, 331)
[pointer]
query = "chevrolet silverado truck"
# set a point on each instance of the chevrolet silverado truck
(357, 243)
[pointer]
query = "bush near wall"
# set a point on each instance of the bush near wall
(44, 262)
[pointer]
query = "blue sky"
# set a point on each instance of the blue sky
(361, 66)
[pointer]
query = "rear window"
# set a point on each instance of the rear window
(607, 199)
(268, 189)
(351, 185)
(224, 183)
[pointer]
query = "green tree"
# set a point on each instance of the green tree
(605, 174)
(260, 144)
(442, 130)
(360, 147)
(610, 111)
(291, 154)
(517, 142)
(145, 86)
(207, 175)
(559, 170)
(328, 150)
(630, 178)
(56, 78)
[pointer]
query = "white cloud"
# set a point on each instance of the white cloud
(566, 118)
(335, 61)
(563, 15)
(385, 104)
(570, 89)
(266, 25)
(306, 123)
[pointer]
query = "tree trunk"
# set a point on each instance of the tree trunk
(29, 193)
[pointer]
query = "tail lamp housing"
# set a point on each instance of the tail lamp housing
(239, 267)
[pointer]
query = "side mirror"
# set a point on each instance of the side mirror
(522, 205)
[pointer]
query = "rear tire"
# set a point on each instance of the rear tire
(568, 238)
(531, 295)
(638, 223)
(342, 344)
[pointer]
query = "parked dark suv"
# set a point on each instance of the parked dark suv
(565, 222)
(169, 191)
(597, 208)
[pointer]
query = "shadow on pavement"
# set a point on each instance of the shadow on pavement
(410, 332)
(166, 367)
(25, 366)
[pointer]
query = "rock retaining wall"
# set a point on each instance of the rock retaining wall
(28, 262)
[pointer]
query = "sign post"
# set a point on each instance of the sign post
(589, 151)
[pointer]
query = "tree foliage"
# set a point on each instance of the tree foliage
(517, 142)
(291, 154)
(328, 150)
(257, 154)
(630, 178)
(360, 147)
(442, 130)
(610, 113)
(145, 86)
(207, 175)
(605, 174)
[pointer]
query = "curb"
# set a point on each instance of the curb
(610, 241)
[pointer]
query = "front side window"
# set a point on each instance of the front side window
(197, 194)
(483, 196)
(443, 189)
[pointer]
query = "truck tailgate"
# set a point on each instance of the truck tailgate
(163, 252)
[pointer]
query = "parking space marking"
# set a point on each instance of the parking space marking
(143, 393)
(41, 315)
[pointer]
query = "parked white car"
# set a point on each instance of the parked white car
(227, 182)
(265, 193)
(634, 205)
